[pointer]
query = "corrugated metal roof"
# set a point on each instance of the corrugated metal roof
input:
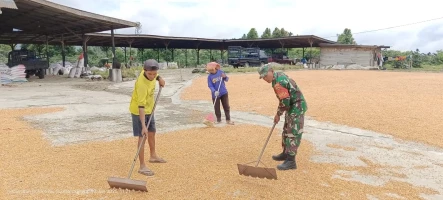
(8, 4)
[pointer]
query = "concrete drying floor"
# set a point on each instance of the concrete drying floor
(98, 111)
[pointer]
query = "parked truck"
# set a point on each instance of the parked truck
(281, 58)
(245, 57)
(34, 64)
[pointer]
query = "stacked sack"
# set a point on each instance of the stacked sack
(18, 73)
(14, 74)
(5, 74)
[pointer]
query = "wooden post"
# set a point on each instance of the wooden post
(198, 56)
(63, 51)
(198, 52)
(311, 65)
(186, 58)
(130, 52)
(113, 48)
(125, 56)
(85, 50)
(47, 52)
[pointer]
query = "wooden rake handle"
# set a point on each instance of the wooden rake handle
(267, 140)
(143, 140)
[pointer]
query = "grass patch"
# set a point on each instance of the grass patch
(427, 68)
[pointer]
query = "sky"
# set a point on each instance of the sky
(324, 18)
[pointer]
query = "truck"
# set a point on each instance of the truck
(281, 58)
(34, 64)
(245, 57)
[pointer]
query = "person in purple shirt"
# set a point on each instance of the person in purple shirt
(216, 77)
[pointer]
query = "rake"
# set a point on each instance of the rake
(128, 183)
(210, 119)
(255, 171)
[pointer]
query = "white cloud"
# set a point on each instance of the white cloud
(231, 18)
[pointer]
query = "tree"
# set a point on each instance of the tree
(346, 37)
(267, 33)
(244, 36)
(283, 33)
(252, 34)
(276, 33)
(105, 49)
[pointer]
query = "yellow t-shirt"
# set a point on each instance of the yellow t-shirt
(143, 94)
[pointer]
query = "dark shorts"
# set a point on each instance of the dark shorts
(137, 125)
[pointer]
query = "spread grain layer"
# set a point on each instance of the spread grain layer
(408, 105)
(202, 165)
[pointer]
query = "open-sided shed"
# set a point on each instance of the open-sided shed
(169, 42)
(156, 41)
(35, 18)
(45, 22)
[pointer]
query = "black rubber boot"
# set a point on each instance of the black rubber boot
(280, 157)
(289, 163)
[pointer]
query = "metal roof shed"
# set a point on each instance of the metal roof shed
(41, 21)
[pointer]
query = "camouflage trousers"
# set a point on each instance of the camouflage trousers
(292, 132)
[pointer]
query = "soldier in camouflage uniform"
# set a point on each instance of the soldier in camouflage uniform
(292, 102)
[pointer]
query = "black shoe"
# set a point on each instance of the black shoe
(279, 157)
(289, 163)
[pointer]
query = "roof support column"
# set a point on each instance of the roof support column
(210, 56)
(198, 52)
(221, 53)
(186, 58)
(113, 48)
(143, 56)
(12, 46)
(166, 43)
(126, 62)
(172, 53)
(130, 52)
(158, 54)
(47, 52)
(63, 50)
(85, 49)
(282, 43)
(310, 53)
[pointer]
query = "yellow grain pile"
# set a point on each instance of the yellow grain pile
(202, 165)
(405, 104)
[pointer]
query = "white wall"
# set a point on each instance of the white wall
(345, 56)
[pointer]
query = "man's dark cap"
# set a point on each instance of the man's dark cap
(150, 64)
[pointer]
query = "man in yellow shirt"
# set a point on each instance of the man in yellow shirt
(142, 103)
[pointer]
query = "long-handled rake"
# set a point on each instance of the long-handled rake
(128, 183)
(210, 119)
(261, 172)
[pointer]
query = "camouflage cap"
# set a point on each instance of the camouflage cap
(263, 70)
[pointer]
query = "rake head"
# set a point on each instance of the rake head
(210, 117)
(260, 172)
(209, 120)
(125, 183)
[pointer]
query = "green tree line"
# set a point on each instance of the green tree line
(96, 54)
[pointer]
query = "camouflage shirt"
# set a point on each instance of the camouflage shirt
(290, 96)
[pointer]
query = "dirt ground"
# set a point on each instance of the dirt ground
(202, 165)
(407, 105)
(68, 136)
